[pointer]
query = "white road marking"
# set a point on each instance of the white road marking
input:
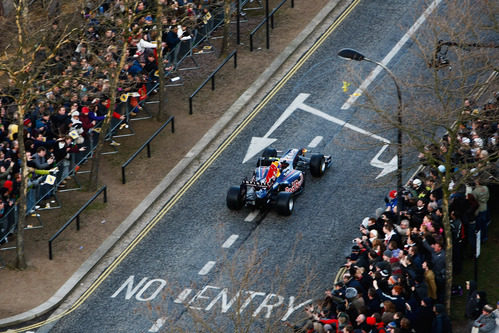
(207, 268)
(315, 141)
(251, 216)
(351, 100)
(183, 295)
(157, 325)
(228, 243)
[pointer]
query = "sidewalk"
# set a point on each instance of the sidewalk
(80, 256)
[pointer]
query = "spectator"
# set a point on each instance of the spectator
(60, 122)
(429, 277)
(441, 323)
(405, 326)
(390, 234)
(438, 260)
(481, 193)
(471, 310)
(389, 312)
(360, 322)
(395, 297)
(40, 161)
(486, 322)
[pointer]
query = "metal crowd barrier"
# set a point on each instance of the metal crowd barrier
(146, 144)
(8, 224)
(265, 20)
(212, 77)
(76, 217)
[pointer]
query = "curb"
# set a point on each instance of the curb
(183, 171)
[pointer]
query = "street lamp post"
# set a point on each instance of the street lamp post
(351, 54)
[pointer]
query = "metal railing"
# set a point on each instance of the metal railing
(8, 225)
(76, 217)
(146, 144)
(265, 20)
(212, 77)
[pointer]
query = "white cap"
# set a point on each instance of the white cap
(365, 222)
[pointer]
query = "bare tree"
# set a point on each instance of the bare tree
(25, 62)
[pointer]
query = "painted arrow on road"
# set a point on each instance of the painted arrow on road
(260, 143)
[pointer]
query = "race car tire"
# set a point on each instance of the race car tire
(235, 198)
(267, 156)
(317, 165)
(285, 203)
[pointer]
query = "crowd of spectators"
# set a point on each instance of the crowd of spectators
(394, 278)
(73, 95)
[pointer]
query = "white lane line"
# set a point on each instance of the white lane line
(315, 141)
(251, 216)
(157, 325)
(351, 100)
(207, 268)
(183, 295)
(228, 243)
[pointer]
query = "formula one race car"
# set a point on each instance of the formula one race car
(276, 181)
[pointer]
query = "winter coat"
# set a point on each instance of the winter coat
(496, 313)
(486, 323)
(481, 194)
(472, 302)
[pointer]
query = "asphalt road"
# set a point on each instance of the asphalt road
(204, 261)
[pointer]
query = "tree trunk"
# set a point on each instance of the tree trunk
(226, 31)
(448, 247)
(94, 173)
(21, 212)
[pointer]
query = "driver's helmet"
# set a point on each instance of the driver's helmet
(273, 172)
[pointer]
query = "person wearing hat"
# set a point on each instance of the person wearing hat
(391, 201)
(370, 323)
(86, 122)
(391, 326)
(486, 322)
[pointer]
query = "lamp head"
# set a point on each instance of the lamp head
(351, 54)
